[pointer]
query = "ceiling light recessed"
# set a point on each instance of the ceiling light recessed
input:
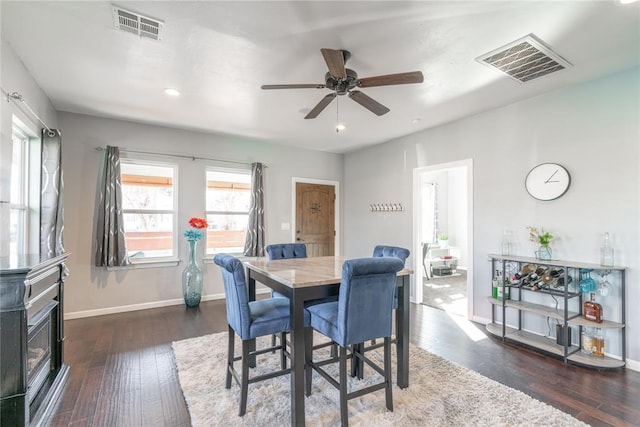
(172, 92)
(628, 1)
(416, 120)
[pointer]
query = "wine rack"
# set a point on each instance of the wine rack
(556, 299)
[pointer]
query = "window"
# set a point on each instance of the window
(18, 197)
(149, 200)
(228, 198)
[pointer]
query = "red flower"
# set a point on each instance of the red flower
(198, 222)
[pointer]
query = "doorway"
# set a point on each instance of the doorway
(443, 236)
(315, 207)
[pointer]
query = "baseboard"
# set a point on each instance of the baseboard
(634, 365)
(144, 306)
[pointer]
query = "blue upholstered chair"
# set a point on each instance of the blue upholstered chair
(285, 251)
(363, 312)
(392, 251)
(250, 319)
(385, 251)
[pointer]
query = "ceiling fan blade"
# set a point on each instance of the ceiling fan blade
(295, 86)
(335, 63)
(320, 106)
(392, 79)
(369, 103)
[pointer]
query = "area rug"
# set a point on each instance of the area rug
(441, 393)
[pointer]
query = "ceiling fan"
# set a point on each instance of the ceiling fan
(344, 81)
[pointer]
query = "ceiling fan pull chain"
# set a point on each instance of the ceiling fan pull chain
(337, 113)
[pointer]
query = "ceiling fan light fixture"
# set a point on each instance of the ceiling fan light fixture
(340, 127)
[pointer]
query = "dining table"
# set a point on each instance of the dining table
(305, 279)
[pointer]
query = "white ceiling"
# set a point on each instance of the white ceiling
(218, 54)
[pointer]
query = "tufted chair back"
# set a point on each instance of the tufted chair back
(236, 293)
(287, 250)
(391, 251)
(365, 302)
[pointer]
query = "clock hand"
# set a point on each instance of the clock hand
(552, 175)
(551, 181)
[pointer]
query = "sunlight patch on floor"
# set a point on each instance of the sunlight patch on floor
(467, 327)
(433, 286)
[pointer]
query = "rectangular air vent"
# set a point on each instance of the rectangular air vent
(524, 59)
(137, 24)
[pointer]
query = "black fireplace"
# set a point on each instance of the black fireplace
(32, 336)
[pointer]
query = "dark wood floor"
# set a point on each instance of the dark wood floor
(123, 374)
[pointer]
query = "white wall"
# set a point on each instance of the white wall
(593, 129)
(16, 78)
(93, 290)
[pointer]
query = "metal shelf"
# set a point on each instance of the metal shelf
(547, 344)
(570, 353)
(606, 324)
(554, 262)
(543, 310)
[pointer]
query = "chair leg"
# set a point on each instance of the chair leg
(308, 357)
(387, 373)
(357, 366)
(244, 381)
(273, 342)
(230, 356)
(354, 361)
(283, 357)
(344, 409)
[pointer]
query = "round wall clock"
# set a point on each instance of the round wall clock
(547, 181)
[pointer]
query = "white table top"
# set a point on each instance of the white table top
(303, 272)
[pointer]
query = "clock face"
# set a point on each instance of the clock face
(547, 181)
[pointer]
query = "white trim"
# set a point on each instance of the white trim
(634, 365)
(417, 246)
(336, 207)
(157, 263)
(144, 306)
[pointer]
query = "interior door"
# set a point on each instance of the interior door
(315, 218)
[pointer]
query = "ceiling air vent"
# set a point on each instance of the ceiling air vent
(137, 24)
(525, 59)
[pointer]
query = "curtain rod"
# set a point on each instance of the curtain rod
(15, 96)
(183, 156)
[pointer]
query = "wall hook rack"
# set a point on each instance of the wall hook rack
(386, 207)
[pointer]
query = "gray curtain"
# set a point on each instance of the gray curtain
(254, 243)
(111, 248)
(51, 192)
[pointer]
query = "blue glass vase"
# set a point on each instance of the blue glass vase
(192, 278)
